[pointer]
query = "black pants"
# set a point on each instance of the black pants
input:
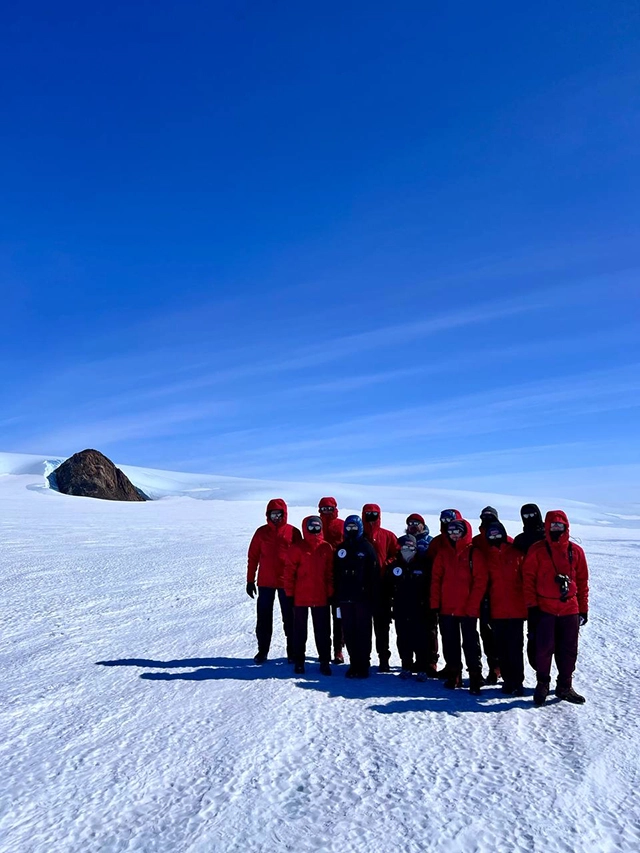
(356, 627)
(381, 621)
(450, 629)
(417, 637)
(264, 624)
(509, 639)
(557, 636)
(338, 639)
(321, 618)
(486, 633)
(532, 624)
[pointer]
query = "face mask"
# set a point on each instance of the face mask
(408, 554)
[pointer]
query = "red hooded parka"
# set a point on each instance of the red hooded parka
(459, 578)
(440, 538)
(308, 574)
(384, 541)
(503, 565)
(332, 526)
(269, 547)
(547, 559)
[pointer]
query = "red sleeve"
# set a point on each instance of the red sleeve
(529, 576)
(437, 573)
(296, 536)
(253, 557)
(291, 562)
(479, 582)
(582, 582)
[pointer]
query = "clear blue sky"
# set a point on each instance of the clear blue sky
(395, 242)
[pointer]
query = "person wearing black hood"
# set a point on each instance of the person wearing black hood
(532, 531)
(356, 581)
(488, 516)
(407, 586)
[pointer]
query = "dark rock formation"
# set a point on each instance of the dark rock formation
(90, 474)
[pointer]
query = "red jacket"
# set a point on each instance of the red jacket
(481, 541)
(546, 559)
(332, 526)
(506, 590)
(269, 547)
(384, 541)
(440, 538)
(308, 574)
(459, 577)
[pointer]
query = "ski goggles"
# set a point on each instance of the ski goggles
(371, 516)
(314, 526)
(276, 515)
(414, 523)
(558, 525)
(529, 514)
(351, 528)
(456, 528)
(408, 548)
(448, 515)
(327, 508)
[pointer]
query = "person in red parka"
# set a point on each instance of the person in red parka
(267, 554)
(385, 544)
(506, 605)
(556, 591)
(308, 581)
(458, 583)
(446, 516)
(333, 532)
(488, 516)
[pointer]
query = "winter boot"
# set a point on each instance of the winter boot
(476, 681)
(432, 671)
(261, 657)
(494, 675)
(351, 672)
(570, 695)
(383, 666)
(405, 674)
(339, 658)
(299, 669)
(453, 680)
(421, 676)
(325, 668)
(540, 693)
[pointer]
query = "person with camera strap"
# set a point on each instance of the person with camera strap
(556, 588)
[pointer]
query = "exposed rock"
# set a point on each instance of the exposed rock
(90, 474)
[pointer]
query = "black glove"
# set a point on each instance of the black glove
(584, 618)
(533, 614)
(251, 589)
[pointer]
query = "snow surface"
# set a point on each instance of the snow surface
(133, 718)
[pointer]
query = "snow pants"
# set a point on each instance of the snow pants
(486, 633)
(509, 639)
(321, 618)
(356, 626)
(417, 637)
(450, 629)
(381, 622)
(264, 624)
(557, 636)
(336, 625)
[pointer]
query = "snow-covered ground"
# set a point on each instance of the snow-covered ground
(132, 716)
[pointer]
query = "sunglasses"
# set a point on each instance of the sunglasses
(557, 525)
(276, 513)
(408, 548)
(455, 529)
(494, 536)
(371, 516)
(351, 528)
(414, 523)
(448, 515)
(314, 528)
(327, 508)
(529, 514)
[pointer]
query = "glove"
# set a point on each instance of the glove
(584, 618)
(251, 589)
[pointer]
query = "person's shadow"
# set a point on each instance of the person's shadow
(407, 695)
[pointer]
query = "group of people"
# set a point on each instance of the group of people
(357, 578)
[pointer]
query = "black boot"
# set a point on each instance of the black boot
(260, 657)
(540, 693)
(453, 680)
(494, 676)
(476, 681)
(325, 668)
(299, 669)
(570, 695)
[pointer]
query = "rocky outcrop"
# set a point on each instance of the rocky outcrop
(90, 474)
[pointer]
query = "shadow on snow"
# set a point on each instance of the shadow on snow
(407, 696)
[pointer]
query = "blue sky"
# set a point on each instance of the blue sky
(368, 241)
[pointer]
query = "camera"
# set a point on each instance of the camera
(563, 582)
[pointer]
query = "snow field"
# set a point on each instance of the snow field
(134, 719)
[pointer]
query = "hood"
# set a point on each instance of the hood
(491, 515)
(443, 525)
(556, 515)
(531, 523)
(313, 539)
(466, 539)
(371, 527)
(328, 502)
(502, 529)
(277, 503)
(355, 518)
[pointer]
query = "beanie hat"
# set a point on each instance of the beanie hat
(407, 539)
(415, 517)
(489, 511)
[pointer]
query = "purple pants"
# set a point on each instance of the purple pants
(557, 636)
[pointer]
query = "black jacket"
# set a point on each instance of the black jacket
(407, 587)
(356, 572)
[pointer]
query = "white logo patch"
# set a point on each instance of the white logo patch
(397, 571)
(342, 552)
